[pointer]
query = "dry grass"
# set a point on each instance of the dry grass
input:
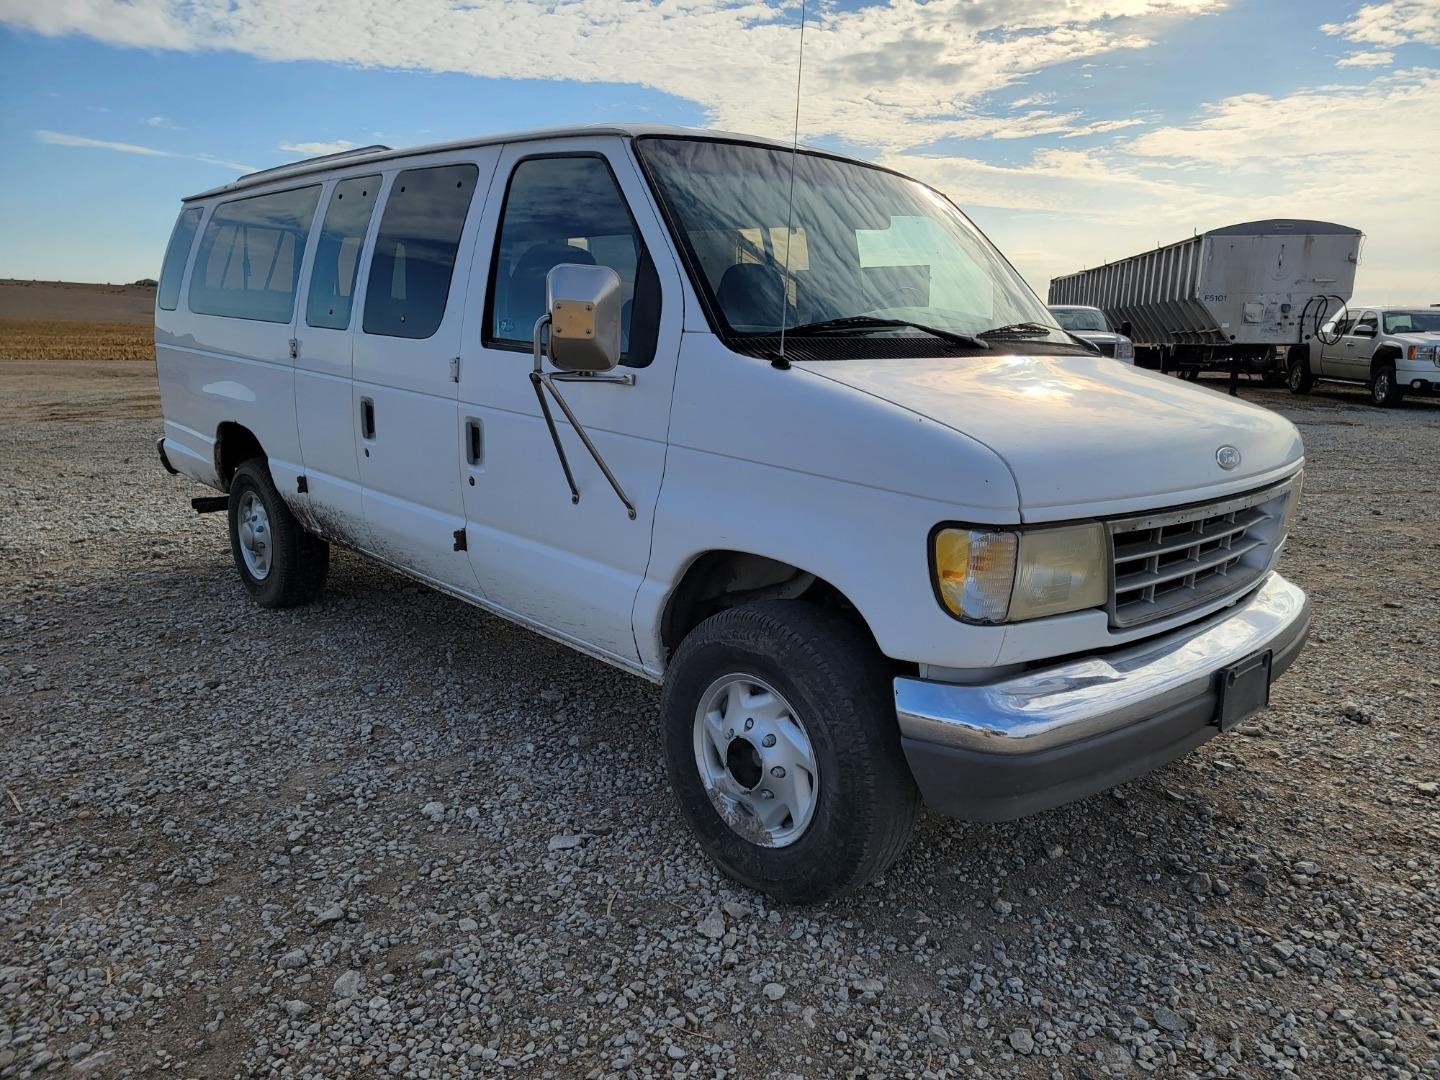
(30, 339)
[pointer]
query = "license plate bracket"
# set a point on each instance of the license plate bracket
(1243, 689)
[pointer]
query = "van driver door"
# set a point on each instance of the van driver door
(573, 568)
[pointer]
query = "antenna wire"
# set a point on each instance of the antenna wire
(790, 208)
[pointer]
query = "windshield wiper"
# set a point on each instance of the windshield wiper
(1019, 329)
(871, 322)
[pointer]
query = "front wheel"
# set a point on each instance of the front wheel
(280, 563)
(778, 723)
(1384, 390)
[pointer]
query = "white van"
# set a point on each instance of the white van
(827, 468)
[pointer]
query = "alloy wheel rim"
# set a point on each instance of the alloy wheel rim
(755, 760)
(253, 524)
(1382, 387)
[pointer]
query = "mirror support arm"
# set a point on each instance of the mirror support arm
(541, 380)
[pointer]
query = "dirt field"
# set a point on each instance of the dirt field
(60, 320)
(388, 834)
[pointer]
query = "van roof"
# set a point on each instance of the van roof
(365, 155)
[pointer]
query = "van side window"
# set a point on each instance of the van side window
(569, 210)
(177, 254)
(337, 252)
(409, 282)
(249, 260)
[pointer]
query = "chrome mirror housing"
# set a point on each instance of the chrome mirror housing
(584, 305)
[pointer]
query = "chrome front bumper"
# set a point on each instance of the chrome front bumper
(1047, 736)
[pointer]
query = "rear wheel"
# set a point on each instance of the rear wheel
(780, 739)
(1300, 380)
(1384, 390)
(280, 564)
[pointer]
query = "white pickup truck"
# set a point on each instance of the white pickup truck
(782, 431)
(1391, 351)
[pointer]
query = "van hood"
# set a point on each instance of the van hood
(1083, 435)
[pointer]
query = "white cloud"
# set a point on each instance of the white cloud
(315, 149)
(1390, 23)
(60, 138)
(1257, 131)
(162, 122)
(898, 76)
(1372, 58)
(889, 75)
(1310, 154)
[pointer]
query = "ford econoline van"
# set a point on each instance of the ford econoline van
(779, 430)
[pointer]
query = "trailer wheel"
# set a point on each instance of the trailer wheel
(1190, 374)
(1300, 380)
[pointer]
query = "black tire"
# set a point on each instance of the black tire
(298, 562)
(1190, 374)
(839, 688)
(1300, 380)
(1384, 390)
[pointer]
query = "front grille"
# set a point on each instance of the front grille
(1167, 562)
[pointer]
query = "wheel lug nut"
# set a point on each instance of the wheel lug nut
(766, 793)
(749, 722)
(769, 740)
(778, 772)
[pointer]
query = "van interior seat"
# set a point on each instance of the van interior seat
(525, 294)
(749, 295)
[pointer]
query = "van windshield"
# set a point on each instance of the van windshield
(862, 244)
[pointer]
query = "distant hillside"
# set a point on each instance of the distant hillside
(72, 301)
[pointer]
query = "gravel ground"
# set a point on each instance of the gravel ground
(390, 835)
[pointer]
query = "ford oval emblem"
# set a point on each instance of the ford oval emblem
(1227, 457)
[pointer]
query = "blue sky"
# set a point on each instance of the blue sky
(1072, 130)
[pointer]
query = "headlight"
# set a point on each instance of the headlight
(1425, 352)
(1124, 349)
(994, 576)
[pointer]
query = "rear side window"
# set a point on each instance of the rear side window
(249, 259)
(569, 210)
(414, 258)
(177, 254)
(337, 253)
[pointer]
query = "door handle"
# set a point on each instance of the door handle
(474, 443)
(367, 418)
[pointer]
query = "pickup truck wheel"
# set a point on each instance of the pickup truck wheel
(1301, 380)
(1384, 391)
(280, 563)
(778, 724)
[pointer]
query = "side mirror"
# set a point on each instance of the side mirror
(1125, 330)
(584, 305)
(1364, 331)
